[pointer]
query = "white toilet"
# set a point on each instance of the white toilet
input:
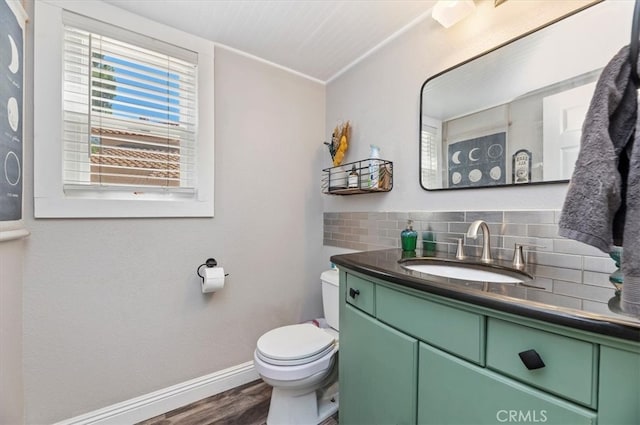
(300, 362)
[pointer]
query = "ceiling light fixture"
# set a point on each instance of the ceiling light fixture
(449, 12)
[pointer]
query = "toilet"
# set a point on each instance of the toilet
(300, 362)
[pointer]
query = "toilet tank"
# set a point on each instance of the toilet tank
(330, 296)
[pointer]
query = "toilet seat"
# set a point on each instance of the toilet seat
(286, 375)
(294, 345)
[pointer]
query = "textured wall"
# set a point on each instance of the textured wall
(11, 383)
(113, 308)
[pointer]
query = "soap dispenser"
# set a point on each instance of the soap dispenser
(408, 238)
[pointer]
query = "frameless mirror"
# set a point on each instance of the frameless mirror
(514, 114)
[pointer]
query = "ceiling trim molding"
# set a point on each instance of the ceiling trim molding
(268, 62)
(426, 14)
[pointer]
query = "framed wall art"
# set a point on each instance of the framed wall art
(521, 167)
(12, 22)
(479, 161)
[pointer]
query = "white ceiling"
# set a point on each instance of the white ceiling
(316, 38)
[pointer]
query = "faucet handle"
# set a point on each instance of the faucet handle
(460, 250)
(518, 255)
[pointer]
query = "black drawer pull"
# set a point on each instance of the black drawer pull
(531, 359)
(354, 292)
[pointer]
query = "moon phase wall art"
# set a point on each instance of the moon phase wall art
(477, 162)
(12, 19)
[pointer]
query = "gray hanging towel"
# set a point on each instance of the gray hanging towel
(594, 209)
(630, 301)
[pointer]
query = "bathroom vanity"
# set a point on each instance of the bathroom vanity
(417, 348)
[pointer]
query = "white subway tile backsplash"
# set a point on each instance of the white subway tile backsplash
(542, 284)
(579, 290)
(458, 227)
(569, 246)
(513, 229)
(399, 216)
(533, 244)
(556, 216)
(528, 217)
(377, 216)
(596, 307)
(421, 216)
(565, 266)
(387, 224)
(545, 297)
(359, 231)
(598, 279)
(542, 230)
(488, 216)
(558, 273)
(599, 264)
(554, 259)
(359, 215)
(434, 226)
(445, 216)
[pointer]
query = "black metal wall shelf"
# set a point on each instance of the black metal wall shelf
(374, 175)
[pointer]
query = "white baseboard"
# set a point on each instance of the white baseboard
(161, 401)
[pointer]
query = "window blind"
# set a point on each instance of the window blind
(429, 156)
(129, 112)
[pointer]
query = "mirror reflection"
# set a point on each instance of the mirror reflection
(514, 115)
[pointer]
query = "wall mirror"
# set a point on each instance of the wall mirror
(514, 114)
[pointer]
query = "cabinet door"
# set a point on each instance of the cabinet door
(452, 391)
(378, 372)
(619, 387)
(570, 365)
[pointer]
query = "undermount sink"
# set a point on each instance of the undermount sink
(476, 272)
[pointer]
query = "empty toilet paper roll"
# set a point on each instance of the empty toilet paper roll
(213, 279)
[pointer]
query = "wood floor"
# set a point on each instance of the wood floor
(244, 405)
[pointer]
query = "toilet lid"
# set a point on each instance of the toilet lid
(294, 344)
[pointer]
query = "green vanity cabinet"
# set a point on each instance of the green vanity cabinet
(453, 391)
(424, 320)
(360, 293)
(619, 390)
(411, 357)
(378, 372)
(570, 364)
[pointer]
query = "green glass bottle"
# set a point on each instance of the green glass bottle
(428, 242)
(616, 278)
(409, 238)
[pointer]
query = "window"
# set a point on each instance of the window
(130, 143)
(430, 151)
(129, 114)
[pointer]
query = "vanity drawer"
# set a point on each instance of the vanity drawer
(455, 331)
(569, 366)
(360, 293)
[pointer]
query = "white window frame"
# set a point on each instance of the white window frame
(50, 198)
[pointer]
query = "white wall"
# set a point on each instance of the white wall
(381, 97)
(113, 308)
(11, 384)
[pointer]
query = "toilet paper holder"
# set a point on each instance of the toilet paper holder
(211, 262)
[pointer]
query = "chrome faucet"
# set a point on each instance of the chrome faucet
(486, 236)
